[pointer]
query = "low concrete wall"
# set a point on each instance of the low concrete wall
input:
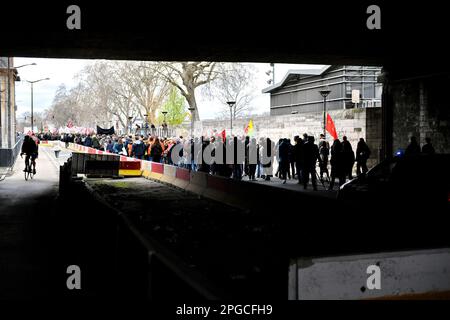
(169, 175)
(197, 183)
(424, 273)
(8, 156)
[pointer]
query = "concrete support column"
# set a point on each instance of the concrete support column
(424, 125)
(387, 105)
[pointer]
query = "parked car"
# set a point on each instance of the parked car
(422, 180)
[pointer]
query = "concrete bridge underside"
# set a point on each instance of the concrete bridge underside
(415, 63)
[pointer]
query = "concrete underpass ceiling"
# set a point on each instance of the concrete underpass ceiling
(301, 32)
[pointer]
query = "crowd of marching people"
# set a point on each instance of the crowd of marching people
(302, 160)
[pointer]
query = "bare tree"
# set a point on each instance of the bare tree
(148, 86)
(187, 76)
(234, 83)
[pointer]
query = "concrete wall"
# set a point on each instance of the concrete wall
(354, 123)
(7, 114)
(422, 273)
(421, 109)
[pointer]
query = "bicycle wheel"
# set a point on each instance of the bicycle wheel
(27, 173)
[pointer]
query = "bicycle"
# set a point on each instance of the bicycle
(29, 173)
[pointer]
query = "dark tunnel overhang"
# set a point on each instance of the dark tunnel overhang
(310, 33)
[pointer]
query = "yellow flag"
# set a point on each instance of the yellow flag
(249, 129)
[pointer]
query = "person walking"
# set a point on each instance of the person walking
(291, 165)
(324, 151)
(88, 141)
(283, 158)
(253, 159)
(156, 150)
(311, 156)
(348, 157)
(138, 149)
(95, 143)
(336, 161)
(362, 155)
(298, 157)
(267, 155)
(428, 147)
(413, 148)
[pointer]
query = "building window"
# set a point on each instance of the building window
(348, 90)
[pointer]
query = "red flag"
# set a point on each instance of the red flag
(330, 127)
(223, 134)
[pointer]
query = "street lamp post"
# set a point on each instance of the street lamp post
(32, 99)
(231, 104)
(324, 93)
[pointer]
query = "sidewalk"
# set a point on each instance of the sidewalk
(26, 208)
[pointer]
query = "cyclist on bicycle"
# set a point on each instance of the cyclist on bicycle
(30, 148)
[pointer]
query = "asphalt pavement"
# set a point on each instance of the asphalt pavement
(24, 235)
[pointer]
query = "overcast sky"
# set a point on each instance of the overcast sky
(62, 71)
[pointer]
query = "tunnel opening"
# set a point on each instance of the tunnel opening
(409, 88)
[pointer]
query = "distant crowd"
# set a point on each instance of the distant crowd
(296, 160)
(303, 160)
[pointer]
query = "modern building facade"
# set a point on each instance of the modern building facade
(8, 76)
(298, 91)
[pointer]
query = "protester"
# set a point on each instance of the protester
(138, 148)
(266, 156)
(88, 141)
(428, 147)
(156, 150)
(362, 155)
(348, 158)
(283, 155)
(337, 164)
(413, 147)
(310, 158)
(324, 151)
(291, 160)
(253, 159)
(298, 156)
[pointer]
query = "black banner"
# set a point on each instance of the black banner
(105, 131)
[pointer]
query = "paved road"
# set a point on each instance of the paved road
(25, 208)
(292, 184)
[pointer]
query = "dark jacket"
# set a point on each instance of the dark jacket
(298, 153)
(283, 152)
(310, 154)
(29, 146)
(428, 149)
(362, 151)
(88, 141)
(138, 149)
